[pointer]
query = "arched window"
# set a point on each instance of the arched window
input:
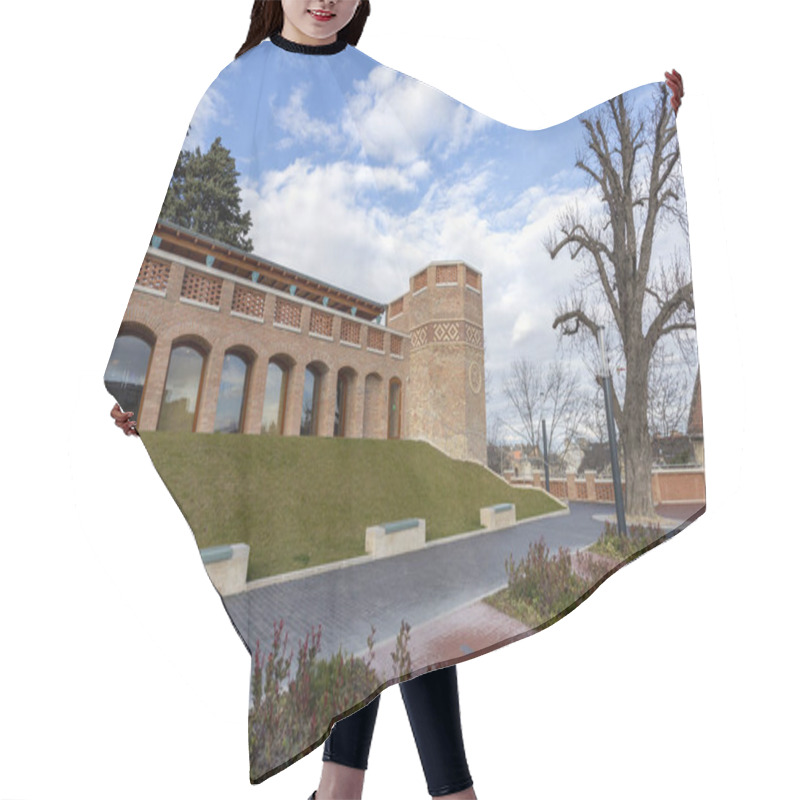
(127, 370)
(274, 399)
(311, 386)
(182, 389)
(395, 409)
(232, 389)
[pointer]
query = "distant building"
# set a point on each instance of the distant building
(684, 448)
(217, 339)
(694, 429)
(521, 464)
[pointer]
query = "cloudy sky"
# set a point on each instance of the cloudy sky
(359, 175)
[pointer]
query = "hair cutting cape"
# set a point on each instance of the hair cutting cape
(362, 350)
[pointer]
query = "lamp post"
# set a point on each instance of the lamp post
(622, 528)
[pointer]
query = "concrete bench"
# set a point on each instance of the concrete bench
(226, 565)
(500, 516)
(392, 538)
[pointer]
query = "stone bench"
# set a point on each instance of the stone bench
(226, 565)
(500, 516)
(392, 538)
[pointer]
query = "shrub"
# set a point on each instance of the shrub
(619, 546)
(401, 658)
(289, 712)
(545, 584)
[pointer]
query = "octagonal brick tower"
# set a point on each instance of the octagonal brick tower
(444, 393)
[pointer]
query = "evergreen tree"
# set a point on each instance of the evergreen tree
(203, 196)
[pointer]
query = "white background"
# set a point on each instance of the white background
(120, 675)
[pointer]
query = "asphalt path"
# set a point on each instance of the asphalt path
(416, 587)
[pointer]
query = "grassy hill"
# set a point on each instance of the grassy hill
(302, 501)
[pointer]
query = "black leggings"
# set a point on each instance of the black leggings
(432, 707)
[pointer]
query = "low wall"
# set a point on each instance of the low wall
(686, 485)
(392, 538)
(499, 516)
(227, 567)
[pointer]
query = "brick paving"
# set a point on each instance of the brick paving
(423, 586)
(464, 632)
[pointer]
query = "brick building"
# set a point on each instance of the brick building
(217, 339)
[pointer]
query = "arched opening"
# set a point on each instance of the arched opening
(345, 381)
(182, 390)
(395, 408)
(232, 391)
(312, 384)
(126, 373)
(274, 410)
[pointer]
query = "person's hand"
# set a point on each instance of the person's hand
(124, 420)
(675, 84)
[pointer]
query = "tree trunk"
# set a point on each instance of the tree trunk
(635, 434)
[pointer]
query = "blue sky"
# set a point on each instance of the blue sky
(359, 175)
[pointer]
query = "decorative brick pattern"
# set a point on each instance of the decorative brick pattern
(153, 274)
(321, 323)
(445, 332)
(396, 308)
(446, 273)
(351, 332)
(420, 281)
(375, 339)
(201, 288)
(474, 335)
(246, 301)
(581, 487)
(396, 345)
(288, 313)
(473, 279)
(419, 337)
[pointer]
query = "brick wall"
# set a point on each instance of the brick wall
(432, 344)
(177, 301)
(669, 486)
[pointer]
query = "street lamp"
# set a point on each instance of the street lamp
(605, 374)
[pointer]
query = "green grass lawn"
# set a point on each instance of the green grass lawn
(301, 501)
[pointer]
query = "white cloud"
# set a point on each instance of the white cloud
(397, 118)
(340, 222)
(301, 126)
(524, 324)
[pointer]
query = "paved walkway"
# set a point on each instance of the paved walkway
(421, 587)
(470, 630)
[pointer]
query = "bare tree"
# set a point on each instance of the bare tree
(535, 395)
(670, 388)
(562, 400)
(524, 390)
(634, 166)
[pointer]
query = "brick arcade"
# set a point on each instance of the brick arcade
(215, 338)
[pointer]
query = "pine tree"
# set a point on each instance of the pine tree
(203, 196)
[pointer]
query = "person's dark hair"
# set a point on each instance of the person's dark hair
(266, 19)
